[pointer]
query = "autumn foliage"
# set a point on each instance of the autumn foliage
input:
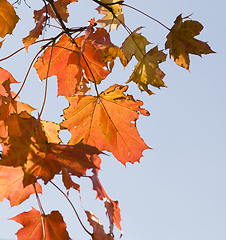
(81, 58)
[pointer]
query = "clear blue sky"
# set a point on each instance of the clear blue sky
(177, 192)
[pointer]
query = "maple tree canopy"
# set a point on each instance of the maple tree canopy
(99, 122)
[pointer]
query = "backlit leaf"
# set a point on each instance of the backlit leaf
(11, 186)
(61, 6)
(8, 18)
(113, 20)
(147, 71)
(67, 65)
(43, 159)
(107, 122)
(55, 227)
(112, 209)
(35, 33)
(98, 228)
(135, 45)
(181, 41)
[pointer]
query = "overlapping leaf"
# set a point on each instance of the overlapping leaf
(147, 71)
(35, 33)
(8, 18)
(112, 208)
(54, 225)
(41, 159)
(101, 40)
(67, 64)
(135, 45)
(107, 122)
(181, 41)
(61, 7)
(98, 228)
(9, 108)
(11, 186)
(114, 17)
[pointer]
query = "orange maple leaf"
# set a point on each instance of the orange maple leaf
(67, 65)
(35, 33)
(32, 221)
(8, 18)
(61, 6)
(147, 71)
(9, 107)
(11, 186)
(40, 158)
(181, 41)
(98, 228)
(112, 209)
(113, 19)
(107, 122)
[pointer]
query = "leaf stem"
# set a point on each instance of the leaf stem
(72, 207)
(41, 211)
(146, 15)
(47, 75)
(28, 71)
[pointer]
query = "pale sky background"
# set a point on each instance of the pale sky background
(177, 192)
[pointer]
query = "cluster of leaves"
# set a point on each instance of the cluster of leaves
(81, 58)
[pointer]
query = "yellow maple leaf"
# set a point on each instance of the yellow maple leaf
(113, 19)
(8, 18)
(147, 71)
(110, 54)
(181, 41)
(135, 45)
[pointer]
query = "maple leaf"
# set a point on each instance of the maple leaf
(110, 53)
(9, 106)
(147, 71)
(67, 65)
(11, 186)
(107, 122)
(101, 40)
(51, 131)
(35, 33)
(114, 17)
(41, 159)
(8, 18)
(5, 87)
(55, 227)
(61, 7)
(68, 182)
(112, 209)
(98, 228)
(181, 41)
(135, 44)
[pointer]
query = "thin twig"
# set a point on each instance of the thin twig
(146, 15)
(47, 75)
(41, 211)
(72, 207)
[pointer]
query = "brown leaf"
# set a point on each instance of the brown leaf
(181, 41)
(35, 33)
